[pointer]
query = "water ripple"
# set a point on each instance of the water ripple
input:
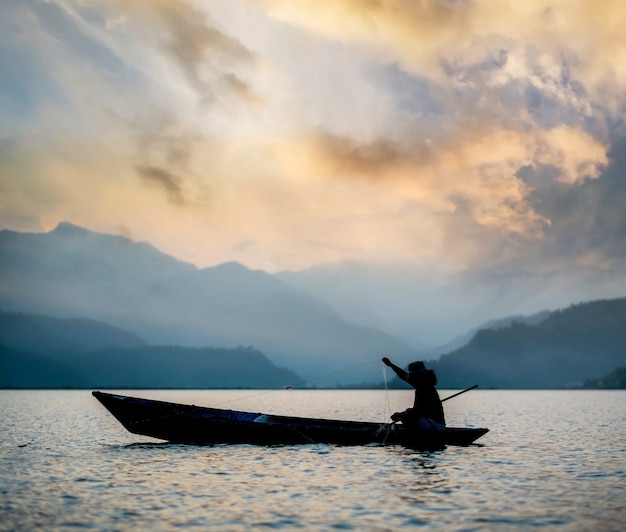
(558, 468)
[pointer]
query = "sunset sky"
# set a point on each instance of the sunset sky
(288, 133)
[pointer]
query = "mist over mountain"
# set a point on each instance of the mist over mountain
(126, 299)
(73, 272)
(428, 308)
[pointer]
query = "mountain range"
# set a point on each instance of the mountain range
(72, 272)
(567, 347)
(44, 352)
(127, 300)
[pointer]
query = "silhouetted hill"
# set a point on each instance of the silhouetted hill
(74, 272)
(23, 369)
(143, 367)
(43, 352)
(464, 339)
(584, 341)
(180, 367)
(58, 336)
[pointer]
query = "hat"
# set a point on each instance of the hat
(415, 367)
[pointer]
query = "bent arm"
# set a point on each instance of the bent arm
(397, 370)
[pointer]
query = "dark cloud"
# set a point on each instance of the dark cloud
(171, 184)
(360, 157)
(165, 156)
(587, 220)
(368, 159)
(208, 57)
(241, 89)
(530, 220)
(591, 218)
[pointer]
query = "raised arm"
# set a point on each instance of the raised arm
(398, 371)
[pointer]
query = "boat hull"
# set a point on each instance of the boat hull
(196, 425)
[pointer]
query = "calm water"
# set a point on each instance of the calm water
(554, 460)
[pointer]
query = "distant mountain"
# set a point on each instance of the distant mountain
(584, 341)
(464, 339)
(86, 254)
(144, 367)
(74, 272)
(427, 306)
(180, 367)
(58, 336)
(71, 271)
(24, 369)
(42, 352)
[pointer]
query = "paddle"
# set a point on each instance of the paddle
(459, 393)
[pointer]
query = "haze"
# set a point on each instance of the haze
(478, 147)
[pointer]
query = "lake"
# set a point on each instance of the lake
(553, 460)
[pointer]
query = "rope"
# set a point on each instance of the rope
(301, 384)
(345, 370)
(387, 401)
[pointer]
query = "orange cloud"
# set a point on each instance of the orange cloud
(478, 165)
(425, 36)
(336, 166)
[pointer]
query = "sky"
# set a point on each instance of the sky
(282, 134)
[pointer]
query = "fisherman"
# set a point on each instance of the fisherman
(427, 410)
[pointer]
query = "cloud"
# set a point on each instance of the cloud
(484, 92)
(476, 168)
(117, 75)
(428, 37)
(588, 220)
(210, 59)
(537, 67)
(169, 182)
(411, 31)
(574, 152)
(316, 131)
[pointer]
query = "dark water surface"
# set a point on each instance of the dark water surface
(554, 460)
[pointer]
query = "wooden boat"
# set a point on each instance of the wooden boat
(196, 425)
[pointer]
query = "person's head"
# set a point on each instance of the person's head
(415, 367)
(418, 374)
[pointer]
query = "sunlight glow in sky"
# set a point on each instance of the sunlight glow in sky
(287, 133)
